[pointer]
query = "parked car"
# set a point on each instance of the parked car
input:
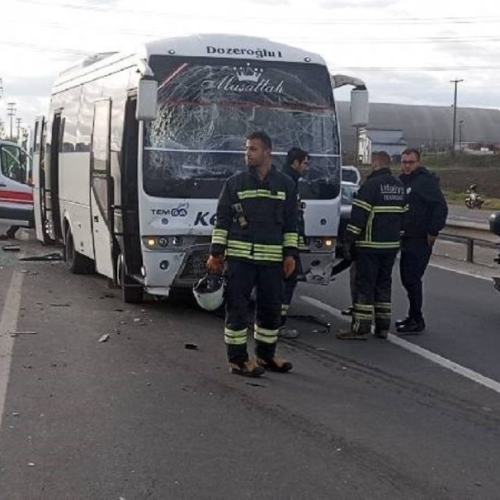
(348, 192)
(351, 174)
(16, 195)
(495, 229)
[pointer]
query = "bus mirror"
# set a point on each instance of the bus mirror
(147, 93)
(359, 107)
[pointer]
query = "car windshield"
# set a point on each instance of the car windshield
(208, 106)
(348, 193)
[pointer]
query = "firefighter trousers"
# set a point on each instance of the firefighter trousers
(289, 286)
(242, 277)
(373, 290)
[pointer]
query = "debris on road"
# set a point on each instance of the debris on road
(104, 338)
(15, 334)
(43, 258)
(11, 248)
(60, 305)
(190, 346)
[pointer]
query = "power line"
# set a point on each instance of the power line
(262, 19)
(41, 48)
(343, 40)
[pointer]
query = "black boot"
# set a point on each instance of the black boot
(412, 327)
(401, 322)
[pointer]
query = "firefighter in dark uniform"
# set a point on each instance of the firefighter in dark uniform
(296, 165)
(375, 230)
(256, 233)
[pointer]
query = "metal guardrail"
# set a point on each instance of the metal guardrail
(469, 233)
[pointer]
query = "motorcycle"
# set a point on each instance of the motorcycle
(495, 229)
(473, 199)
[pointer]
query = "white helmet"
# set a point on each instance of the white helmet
(209, 291)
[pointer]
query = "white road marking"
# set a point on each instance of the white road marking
(420, 351)
(8, 324)
(458, 271)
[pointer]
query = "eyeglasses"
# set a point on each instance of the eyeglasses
(409, 162)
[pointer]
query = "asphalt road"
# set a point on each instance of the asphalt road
(460, 213)
(141, 417)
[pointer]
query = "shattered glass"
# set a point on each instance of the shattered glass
(208, 106)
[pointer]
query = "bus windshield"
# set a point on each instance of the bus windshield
(206, 107)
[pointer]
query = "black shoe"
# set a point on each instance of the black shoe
(412, 327)
(401, 322)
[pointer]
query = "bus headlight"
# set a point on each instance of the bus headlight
(325, 243)
(150, 242)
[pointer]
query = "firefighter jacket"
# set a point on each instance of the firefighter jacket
(427, 207)
(295, 176)
(377, 213)
(256, 218)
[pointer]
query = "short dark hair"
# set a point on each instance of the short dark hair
(382, 156)
(410, 151)
(296, 154)
(262, 137)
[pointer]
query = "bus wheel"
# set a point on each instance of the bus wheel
(75, 261)
(132, 291)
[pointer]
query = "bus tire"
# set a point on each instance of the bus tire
(132, 291)
(75, 261)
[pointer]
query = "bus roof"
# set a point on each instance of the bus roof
(230, 46)
(203, 45)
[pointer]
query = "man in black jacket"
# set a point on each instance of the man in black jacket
(256, 232)
(296, 165)
(375, 229)
(425, 219)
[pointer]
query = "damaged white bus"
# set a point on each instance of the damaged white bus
(129, 164)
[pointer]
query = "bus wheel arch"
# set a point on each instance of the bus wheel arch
(76, 262)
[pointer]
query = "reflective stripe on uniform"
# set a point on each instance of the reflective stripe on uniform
(284, 309)
(219, 236)
(362, 204)
(261, 193)
(385, 245)
(389, 209)
(265, 335)
(235, 337)
(291, 240)
(353, 229)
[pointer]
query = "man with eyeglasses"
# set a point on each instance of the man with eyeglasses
(425, 218)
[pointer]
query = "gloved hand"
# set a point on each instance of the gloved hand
(288, 266)
(215, 264)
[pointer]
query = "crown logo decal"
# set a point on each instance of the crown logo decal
(248, 74)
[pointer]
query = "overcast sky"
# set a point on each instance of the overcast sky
(407, 51)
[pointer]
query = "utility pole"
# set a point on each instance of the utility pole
(460, 124)
(18, 128)
(454, 132)
(11, 111)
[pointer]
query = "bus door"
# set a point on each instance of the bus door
(100, 188)
(38, 180)
(51, 181)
